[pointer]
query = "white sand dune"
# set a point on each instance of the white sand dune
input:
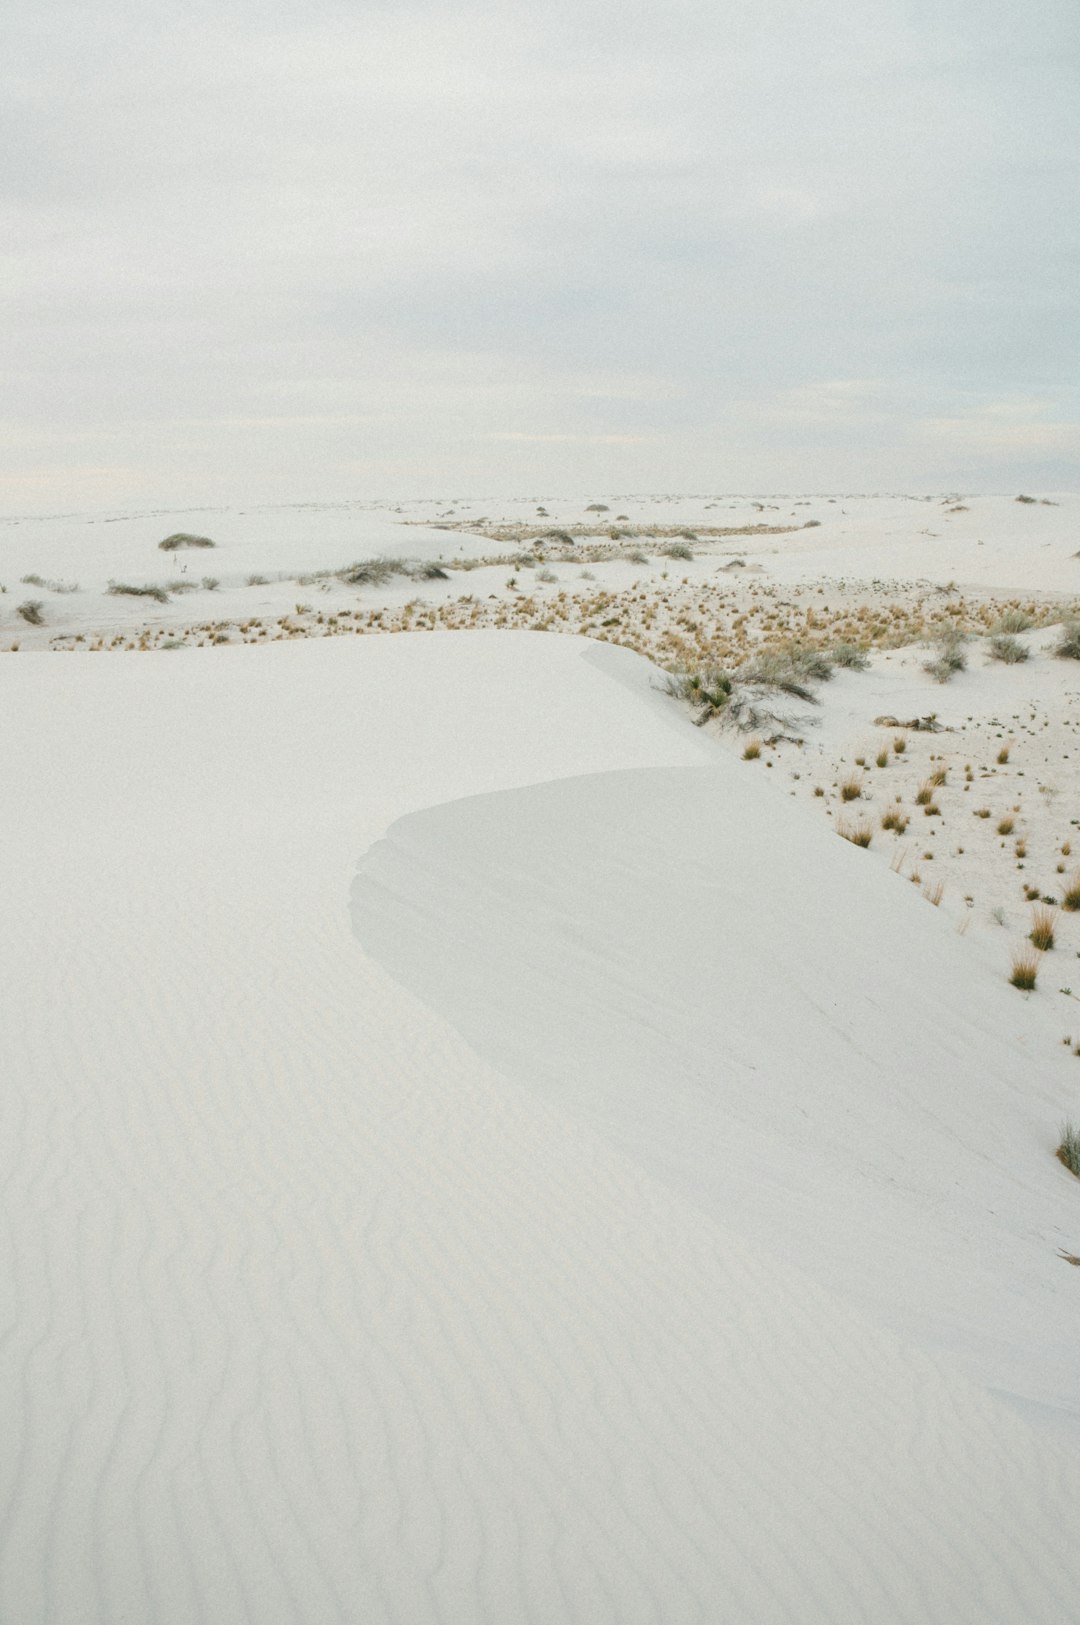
(329, 1298)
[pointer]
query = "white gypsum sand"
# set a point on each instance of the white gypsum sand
(477, 1150)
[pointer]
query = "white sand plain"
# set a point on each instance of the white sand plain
(476, 1148)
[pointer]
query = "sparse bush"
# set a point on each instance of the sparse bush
(951, 657)
(257, 581)
(850, 656)
(788, 669)
(1068, 645)
(210, 583)
(31, 612)
(1025, 499)
(182, 538)
(431, 572)
(371, 572)
(546, 575)
(1012, 620)
(1009, 650)
(1025, 969)
(1042, 927)
(636, 555)
(1068, 1151)
(678, 550)
(124, 589)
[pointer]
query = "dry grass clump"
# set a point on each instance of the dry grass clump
(1043, 919)
(894, 819)
(1006, 825)
(860, 834)
(899, 744)
(934, 891)
(751, 750)
(1003, 755)
(1068, 1151)
(924, 795)
(31, 612)
(1009, 650)
(1070, 899)
(182, 538)
(1025, 969)
(851, 787)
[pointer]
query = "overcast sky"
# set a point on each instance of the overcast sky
(289, 251)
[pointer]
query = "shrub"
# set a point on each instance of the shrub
(1008, 649)
(1068, 1151)
(1070, 900)
(431, 572)
(124, 589)
(182, 538)
(951, 657)
(371, 572)
(211, 583)
(679, 550)
(1042, 927)
(1012, 620)
(1025, 969)
(31, 612)
(850, 656)
(1068, 645)
(257, 581)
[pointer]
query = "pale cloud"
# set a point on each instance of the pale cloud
(262, 251)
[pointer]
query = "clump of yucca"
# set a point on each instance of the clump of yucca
(1043, 919)
(708, 690)
(1068, 1151)
(1009, 650)
(1025, 969)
